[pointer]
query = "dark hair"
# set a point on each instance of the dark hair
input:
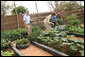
(52, 13)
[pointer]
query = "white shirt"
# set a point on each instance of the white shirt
(47, 19)
(26, 19)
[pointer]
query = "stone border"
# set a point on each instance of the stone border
(49, 49)
(16, 50)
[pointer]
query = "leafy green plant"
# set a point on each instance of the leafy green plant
(74, 22)
(14, 34)
(5, 44)
(60, 28)
(82, 52)
(75, 29)
(55, 40)
(42, 26)
(60, 21)
(36, 31)
(6, 53)
(70, 18)
(22, 41)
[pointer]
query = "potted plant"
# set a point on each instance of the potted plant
(22, 43)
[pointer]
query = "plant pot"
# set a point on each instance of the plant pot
(22, 46)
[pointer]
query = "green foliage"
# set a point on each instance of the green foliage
(6, 53)
(5, 44)
(22, 41)
(73, 47)
(4, 8)
(20, 9)
(60, 21)
(13, 34)
(53, 38)
(36, 31)
(60, 28)
(70, 18)
(75, 29)
(74, 22)
(42, 26)
(70, 6)
(82, 52)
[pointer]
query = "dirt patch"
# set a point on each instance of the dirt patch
(34, 51)
(76, 38)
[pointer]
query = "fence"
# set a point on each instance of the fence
(10, 22)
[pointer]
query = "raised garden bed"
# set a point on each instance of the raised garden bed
(16, 50)
(32, 50)
(22, 43)
(49, 49)
(43, 47)
(22, 46)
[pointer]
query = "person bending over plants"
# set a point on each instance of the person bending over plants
(53, 19)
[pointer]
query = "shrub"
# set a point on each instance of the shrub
(6, 53)
(36, 31)
(74, 22)
(60, 21)
(14, 34)
(22, 41)
(70, 18)
(4, 43)
(75, 29)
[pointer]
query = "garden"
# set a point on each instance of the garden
(67, 37)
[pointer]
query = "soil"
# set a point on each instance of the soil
(76, 38)
(34, 51)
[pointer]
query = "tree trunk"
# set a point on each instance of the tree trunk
(17, 15)
(37, 10)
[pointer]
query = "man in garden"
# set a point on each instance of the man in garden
(26, 20)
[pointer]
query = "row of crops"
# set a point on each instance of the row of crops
(55, 38)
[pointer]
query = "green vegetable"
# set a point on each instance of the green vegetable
(6, 53)
(5, 44)
(82, 52)
(22, 41)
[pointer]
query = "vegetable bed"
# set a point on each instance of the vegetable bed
(57, 39)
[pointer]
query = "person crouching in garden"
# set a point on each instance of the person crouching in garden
(26, 20)
(54, 19)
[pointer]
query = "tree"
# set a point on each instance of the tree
(37, 10)
(51, 5)
(4, 8)
(71, 5)
(20, 9)
(16, 14)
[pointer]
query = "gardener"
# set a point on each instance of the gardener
(47, 22)
(26, 20)
(54, 19)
